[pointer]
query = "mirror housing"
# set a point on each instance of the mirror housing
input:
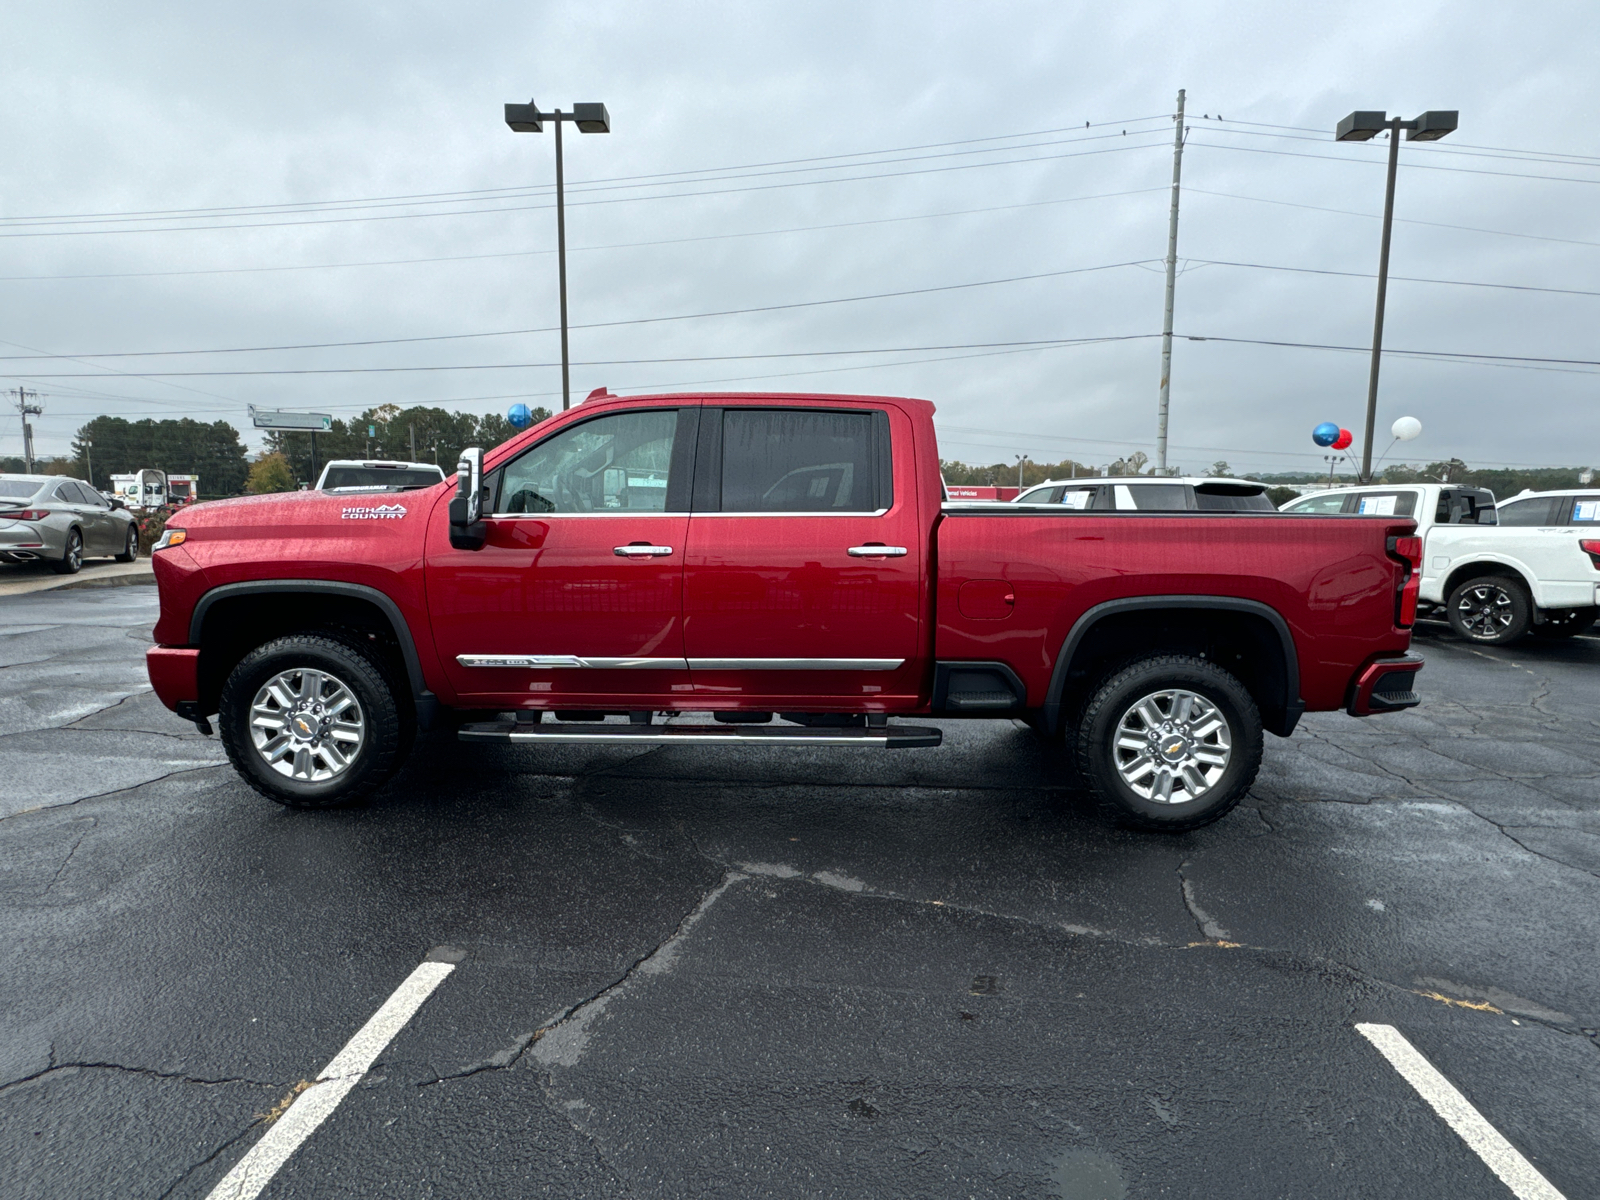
(466, 506)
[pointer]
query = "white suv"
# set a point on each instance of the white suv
(1151, 493)
(1496, 572)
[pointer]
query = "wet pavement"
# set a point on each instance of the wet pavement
(796, 973)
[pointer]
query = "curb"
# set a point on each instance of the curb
(38, 585)
(145, 580)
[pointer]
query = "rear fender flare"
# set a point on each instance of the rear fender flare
(1081, 628)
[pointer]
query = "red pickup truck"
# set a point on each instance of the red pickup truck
(788, 564)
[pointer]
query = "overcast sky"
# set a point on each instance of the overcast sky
(939, 145)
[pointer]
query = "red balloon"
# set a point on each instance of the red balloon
(1342, 442)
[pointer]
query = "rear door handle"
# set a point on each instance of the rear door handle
(641, 550)
(871, 551)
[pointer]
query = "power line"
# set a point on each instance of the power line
(1415, 166)
(1514, 287)
(252, 209)
(610, 200)
(446, 337)
(1455, 144)
(1346, 212)
(710, 237)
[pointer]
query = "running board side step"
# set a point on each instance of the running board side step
(887, 737)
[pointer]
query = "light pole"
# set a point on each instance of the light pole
(1361, 127)
(589, 118)
(88, 457)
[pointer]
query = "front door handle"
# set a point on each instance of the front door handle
(641, 550)
(877, 551)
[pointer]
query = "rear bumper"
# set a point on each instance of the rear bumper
(174, 674)
(1386, 685)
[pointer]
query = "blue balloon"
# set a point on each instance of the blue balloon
(519, 416)
(1325, 434)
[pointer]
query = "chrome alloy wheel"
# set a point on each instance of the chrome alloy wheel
(307, 725)
(1486, 610)
(1173, 746)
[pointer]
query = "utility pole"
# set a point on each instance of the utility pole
(413, 428)
(88, 456)
(1172, 279)
(26, 410)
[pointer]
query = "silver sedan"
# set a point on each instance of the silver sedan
(48, 518)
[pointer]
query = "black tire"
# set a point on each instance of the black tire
(130, 550)
(1491, 610)
(1148, 679)
(1570, 623)
(71, 560)
(386, 726)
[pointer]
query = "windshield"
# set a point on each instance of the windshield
(379, 477)
(17, 489)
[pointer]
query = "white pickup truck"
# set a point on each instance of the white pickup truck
(1496, 572)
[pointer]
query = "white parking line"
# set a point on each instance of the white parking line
(256, 1169)
(1502, 1157)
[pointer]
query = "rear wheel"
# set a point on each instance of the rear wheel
(1169, 743)
(1492, 609)
(71, 560)
(130, 548)
(311, 722)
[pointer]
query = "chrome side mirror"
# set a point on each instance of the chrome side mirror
(466, 506)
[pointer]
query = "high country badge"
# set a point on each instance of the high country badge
(380, 512)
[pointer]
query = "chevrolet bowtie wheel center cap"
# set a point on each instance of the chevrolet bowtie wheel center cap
(307, 725)
(1172, 746)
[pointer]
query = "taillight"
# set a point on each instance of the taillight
(1591, 547)
(1408, 552)
(26, 514)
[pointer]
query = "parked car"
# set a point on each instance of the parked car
(1133, 493)
(763, 556)
(61, 521)
(375, 475)
(1494, 571)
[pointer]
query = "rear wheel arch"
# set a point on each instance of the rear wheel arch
(1483, 568)
(231, 621)
(1247, 638)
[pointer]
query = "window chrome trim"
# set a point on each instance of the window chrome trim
(796, 664)
(545, 662)
(655, 512)
(834, 512)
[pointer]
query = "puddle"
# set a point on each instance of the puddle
(1084, 1174)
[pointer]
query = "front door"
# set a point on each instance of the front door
(576, 599)
(803, 581)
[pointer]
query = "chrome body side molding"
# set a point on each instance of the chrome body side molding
(543, 662)
(795, 664)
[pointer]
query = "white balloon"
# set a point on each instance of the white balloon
(1406, 428)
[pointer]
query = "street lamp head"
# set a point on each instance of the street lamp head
(524, 118)
(1432, 125)
(593, 118)
(1362, 126)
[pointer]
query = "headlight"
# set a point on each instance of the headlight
(170, 537)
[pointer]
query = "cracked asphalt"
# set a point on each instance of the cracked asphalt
(796, 973)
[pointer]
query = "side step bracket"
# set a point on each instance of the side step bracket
(886, 736)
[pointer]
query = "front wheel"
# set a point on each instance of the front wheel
(130, 549)
(311, 722)
(1169, 743)
(1492, 609)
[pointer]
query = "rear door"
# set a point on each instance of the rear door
(575, 601)
(803, 583)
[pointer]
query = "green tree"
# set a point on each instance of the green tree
(183, 447)
(270, 473)
(440, 436)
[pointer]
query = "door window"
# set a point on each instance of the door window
(618, 463)
(1152, 497)
(1386, 504)
(1585, 510)
(1535, 511)
(1331, 503)
(815, 461)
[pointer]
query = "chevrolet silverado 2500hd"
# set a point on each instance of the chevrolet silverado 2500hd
(787, 564)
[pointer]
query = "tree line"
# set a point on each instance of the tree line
(108, 446)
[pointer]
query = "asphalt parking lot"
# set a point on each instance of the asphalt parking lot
(696, 972)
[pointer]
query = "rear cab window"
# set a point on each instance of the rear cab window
(1401, 503)
(1465, 506)
(1531, 512)
(777, 460)
(1231, 497)
(1332, 503)
(1151, 497)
